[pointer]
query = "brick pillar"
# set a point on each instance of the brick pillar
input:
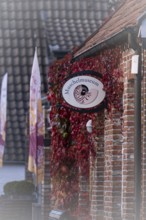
(113, 166)
(128, 188)
(83, 203)
(97, 174)
(46, 185)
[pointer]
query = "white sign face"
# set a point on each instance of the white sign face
(83, 92)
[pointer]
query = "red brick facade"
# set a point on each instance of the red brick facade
(124, 139)
(112, 178)
(113, 186)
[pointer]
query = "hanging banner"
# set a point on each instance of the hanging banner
(83, 91)
(3, 116)
(35, 159)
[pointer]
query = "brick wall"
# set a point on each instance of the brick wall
(97, 174)
(112, 180)
(112, 188)
(83, 202)
(112, 170)
(113, 195)
(143, 207)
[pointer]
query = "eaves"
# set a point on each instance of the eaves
(118, 38)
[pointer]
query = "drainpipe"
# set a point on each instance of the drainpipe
(137, 141)
(138, 160)
(137, 121)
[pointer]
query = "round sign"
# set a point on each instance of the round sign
(83, 92)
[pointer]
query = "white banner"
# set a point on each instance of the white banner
(35, 160)
(3, 115)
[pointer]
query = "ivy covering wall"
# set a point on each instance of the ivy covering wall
(71, 144)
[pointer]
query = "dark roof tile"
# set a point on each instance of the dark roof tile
(66, 13)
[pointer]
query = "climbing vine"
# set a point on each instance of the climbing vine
(71, 144)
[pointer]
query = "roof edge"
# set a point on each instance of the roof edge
(119, 37)
(104, 22)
